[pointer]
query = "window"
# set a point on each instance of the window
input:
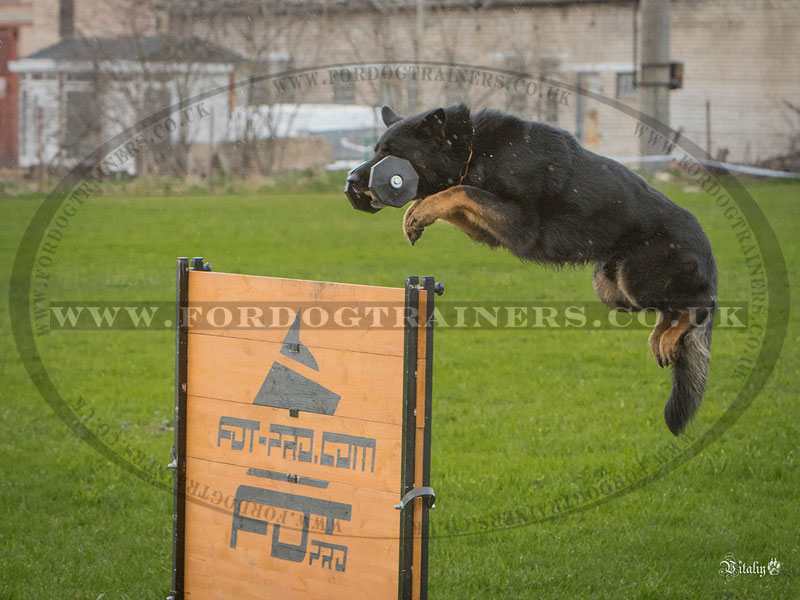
(551, 106)
(549, 68)
(455, 92)
(81, 123)
(456, 89)
(625, 85)
(344, 88)
(286, 93)
(259, 91)
(265, 91)
(156, 98)
(516, 97)
(390, 93)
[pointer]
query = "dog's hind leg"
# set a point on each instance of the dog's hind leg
(665, 322)
(478, 213)
(610, 288)
(674, 330)
(606, 285)
(677, 289)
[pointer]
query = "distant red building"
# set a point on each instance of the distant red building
(13, 15)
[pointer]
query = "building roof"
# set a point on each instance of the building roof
(207, 7)
(151, 48)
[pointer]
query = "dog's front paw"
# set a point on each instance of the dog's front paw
(413, 228)
(414, 223)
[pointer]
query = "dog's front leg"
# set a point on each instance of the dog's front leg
(478, 213)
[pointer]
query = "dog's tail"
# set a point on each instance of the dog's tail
(689, 377)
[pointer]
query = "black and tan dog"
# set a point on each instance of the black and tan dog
(534, 190)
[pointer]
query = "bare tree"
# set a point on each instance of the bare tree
(131, 77)
(794, 120)
(269, 34)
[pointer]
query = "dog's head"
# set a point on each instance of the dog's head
(436, 142)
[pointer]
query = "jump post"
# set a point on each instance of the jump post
(302, 450)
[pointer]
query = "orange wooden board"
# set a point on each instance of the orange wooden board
(236, 292)
(356, 557)
(229, 368)
(294, 445)
(350, 451)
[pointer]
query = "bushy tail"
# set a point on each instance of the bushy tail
(689, 377)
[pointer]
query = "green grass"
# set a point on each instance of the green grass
(521, 418)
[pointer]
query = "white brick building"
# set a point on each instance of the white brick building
(741, 57)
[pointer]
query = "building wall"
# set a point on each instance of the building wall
(561, 42)
(270, 156)
(44, 29)
(743, 56)
(102, 18)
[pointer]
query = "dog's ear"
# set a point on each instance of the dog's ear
(434, 122)
(389, 116)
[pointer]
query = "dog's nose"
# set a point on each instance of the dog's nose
(359, 199)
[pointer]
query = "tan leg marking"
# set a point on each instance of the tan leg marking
(476, 232)
(668, 335)
(455, 206)
(655, 337)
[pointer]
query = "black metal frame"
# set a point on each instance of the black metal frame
(179, 447)
(429, 284)
(409, 447)
(412, 324)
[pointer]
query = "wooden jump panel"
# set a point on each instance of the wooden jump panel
(229, 368)
(263, 437)
(296, 441)
(215, 569)
(278, 296)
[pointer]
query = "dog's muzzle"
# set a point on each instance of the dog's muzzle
(392, 181)
(358, 194)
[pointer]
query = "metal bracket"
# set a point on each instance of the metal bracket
(173, 458)
(438, 288)
(197, 264)
(426, 492)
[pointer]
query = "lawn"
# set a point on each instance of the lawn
(524, 420)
